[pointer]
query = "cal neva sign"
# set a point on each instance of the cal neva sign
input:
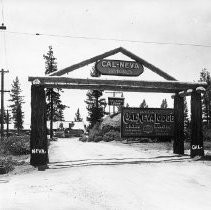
(150, 122)
(114, 101)
(119, 68)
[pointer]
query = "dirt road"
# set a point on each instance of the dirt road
(110, 176)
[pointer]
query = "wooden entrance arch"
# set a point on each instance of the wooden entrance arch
(38, 139)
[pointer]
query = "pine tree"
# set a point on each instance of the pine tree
(95, 72)
(164, 104)
(54, 106)
(78, 116)
(95, 106)
(206, 97)
(143, 104)
(127, 105)
(16, 105)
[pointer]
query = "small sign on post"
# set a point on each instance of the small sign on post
(147, 122)
(114, 101)
(119, 68)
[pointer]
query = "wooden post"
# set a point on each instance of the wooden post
(178, 145)
(8, 119)
(51, 114)
(38, 139)
(2, 103)
(196, 125)
(113, 105)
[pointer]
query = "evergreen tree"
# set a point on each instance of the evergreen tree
(78, 116)
(206, 97)
(95, 106)
(16, 105)
(94, 72)
(143, 104)
(54, 106)
(127, 105)
(164, 104)
(61, 126)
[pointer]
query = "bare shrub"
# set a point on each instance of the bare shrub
(16, 145)
(83, 138)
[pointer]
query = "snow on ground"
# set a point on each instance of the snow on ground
(112, 176)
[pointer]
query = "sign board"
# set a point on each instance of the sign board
(119, 68)
(147, 122)
(113, 101)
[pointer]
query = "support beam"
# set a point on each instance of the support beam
(38, 139)
(85, 62)
(185, 93)
(182, 93)
(109, 88)
(112, 52)
(156, 86)
(178, 146)
(189, 92)
(200, 89)
(147, 64)
(196, 125)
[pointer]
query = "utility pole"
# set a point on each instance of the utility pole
(8, 119)
(51, 116)
(2, 27)
(2, 101)
(114, 106)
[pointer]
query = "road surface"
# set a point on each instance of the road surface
(109, 176)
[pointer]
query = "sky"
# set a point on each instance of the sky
(81, 29)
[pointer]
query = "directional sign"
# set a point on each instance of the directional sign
(119, 68)
(113, 101)
(144, 122)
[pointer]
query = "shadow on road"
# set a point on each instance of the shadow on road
(118, 161)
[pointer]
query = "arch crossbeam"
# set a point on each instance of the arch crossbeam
(116, 85)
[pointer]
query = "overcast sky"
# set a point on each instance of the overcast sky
(162, 21)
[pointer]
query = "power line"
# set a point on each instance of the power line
(112, 39)
(99, 38)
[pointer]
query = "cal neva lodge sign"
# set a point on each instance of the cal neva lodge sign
(147, 122)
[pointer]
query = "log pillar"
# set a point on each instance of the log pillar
(38, 139)
(178, 145)
(196, 125)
